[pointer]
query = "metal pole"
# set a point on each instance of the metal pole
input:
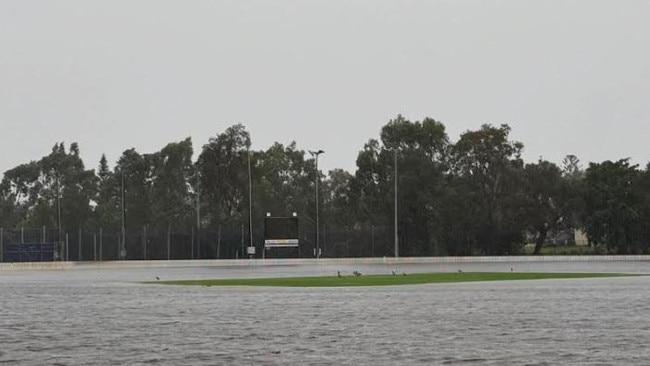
(58, 206)
(198, 211)
(145, 242)
(123, 246)
(169, 245)
(317, 224)
(396, 237)
(42, 242)
(372, 240)
(79, 251)
(95, 247)
(317, 154)
(219, 243)
(67, 257)
(101, 242)
(198, 215)
(250, 201)
(2, 247)
(22, 235)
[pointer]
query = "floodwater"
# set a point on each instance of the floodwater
(106, 317)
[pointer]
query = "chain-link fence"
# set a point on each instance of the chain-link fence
(28, 245)
(145, 243)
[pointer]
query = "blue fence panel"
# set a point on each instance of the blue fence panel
(29, 252)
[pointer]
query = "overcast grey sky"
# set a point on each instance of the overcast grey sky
(570, 77)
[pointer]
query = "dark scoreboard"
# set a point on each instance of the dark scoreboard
(281, 232)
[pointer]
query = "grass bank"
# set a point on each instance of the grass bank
(385, 280)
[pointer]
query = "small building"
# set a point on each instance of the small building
(580, 237)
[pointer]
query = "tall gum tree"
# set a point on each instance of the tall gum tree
(222, 166)
(491, 165)
(613, 206)
(171, 171)
(547, 201)
(133, 175)
(420, 149)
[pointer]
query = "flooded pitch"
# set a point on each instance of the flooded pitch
(105, 316)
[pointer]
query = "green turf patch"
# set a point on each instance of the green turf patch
(386, 280)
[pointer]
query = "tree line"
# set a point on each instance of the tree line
(473, 196)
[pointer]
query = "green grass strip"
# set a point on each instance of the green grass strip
(386, 280)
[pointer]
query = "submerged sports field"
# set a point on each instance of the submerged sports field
(121, 312)
(386, 280)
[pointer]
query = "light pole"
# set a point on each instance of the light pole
(250, 201)
(395, 179)
(198, 214)
(58, 207)
(58, 212)
(316, 154)
(122, 253)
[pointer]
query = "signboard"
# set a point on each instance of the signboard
(281, 232)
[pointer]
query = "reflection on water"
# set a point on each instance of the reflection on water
(103, 316)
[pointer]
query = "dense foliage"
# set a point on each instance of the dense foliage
(468, 197)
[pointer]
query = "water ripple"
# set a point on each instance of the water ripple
(68, 319)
